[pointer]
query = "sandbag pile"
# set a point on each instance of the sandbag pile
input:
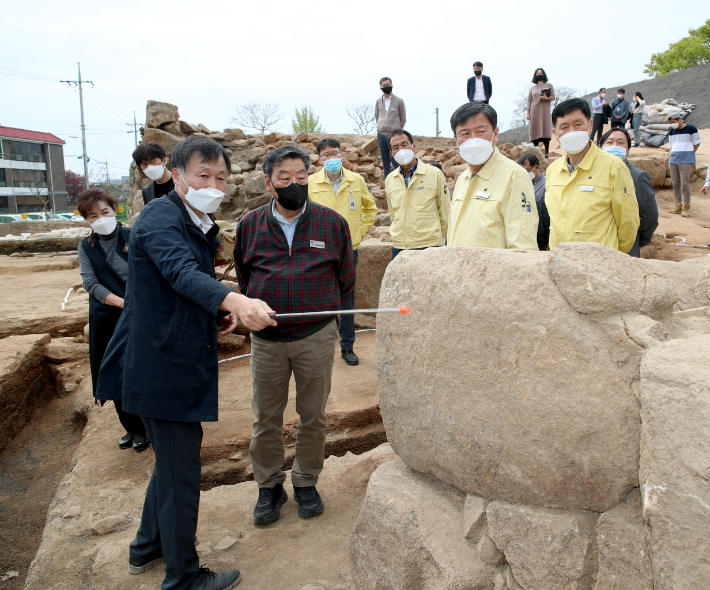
(654, 125)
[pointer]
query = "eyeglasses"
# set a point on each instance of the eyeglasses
(329, 155)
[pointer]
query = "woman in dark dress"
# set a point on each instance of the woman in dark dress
(103, 260)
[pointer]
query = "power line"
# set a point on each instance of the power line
(16, 74)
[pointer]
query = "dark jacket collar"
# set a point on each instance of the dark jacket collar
(175, 198)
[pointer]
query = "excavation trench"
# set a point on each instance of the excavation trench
(58, 449)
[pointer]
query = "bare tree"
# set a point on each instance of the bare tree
(364, 117)
(520, 108)
(257, 115)
(45, 199)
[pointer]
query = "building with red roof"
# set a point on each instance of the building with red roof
(32, 172)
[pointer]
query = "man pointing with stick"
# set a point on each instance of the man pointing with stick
(295, 255)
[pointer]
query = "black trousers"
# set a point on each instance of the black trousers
(383, 142)
(172, 502)
(598, 127)
(346, 323)
(545, 141)
(130, 422)
(617, 123)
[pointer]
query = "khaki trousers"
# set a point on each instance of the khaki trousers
(680, 176)
(311, 362)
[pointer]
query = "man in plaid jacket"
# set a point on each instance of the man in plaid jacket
(297, 256)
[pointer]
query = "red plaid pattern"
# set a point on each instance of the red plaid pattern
(306, 277)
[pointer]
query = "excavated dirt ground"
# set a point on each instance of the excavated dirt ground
(38, 459)
(32, 466)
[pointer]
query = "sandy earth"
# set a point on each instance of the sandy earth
(105, 481)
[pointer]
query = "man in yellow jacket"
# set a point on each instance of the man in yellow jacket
(589, 194)
(417, 198)
(347, 193)
(493, 204)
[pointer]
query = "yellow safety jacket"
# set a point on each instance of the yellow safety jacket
(495, 208)
(595, 203)
(353, 201)
(420, 212)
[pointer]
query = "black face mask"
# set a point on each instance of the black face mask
(293, 196)
(539, 78)
(386, 89)
(478, 72)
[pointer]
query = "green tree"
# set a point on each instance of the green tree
(306, 120)
(690, 51)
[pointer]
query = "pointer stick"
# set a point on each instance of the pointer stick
(403, 309)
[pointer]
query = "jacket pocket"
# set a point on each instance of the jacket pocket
(175, 326)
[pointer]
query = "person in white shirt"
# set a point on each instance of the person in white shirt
(598, 104)
(637, 106)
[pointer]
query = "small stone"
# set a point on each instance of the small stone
(235, 457)
(488, 552)
(70, 387)
(203, 548)
(8, 575)
(474, 515)
(108, 524)
(72, 512)
(225, 543)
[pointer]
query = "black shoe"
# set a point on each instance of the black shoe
(309, 502)
(350, 357)
(547, 154)
(138, 565)
(268, 506)
(140, 443)
(208, 580)
(126, 442)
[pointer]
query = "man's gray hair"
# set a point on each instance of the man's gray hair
(285, 152)
(208, 149)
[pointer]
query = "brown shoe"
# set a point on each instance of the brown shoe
(686, 211)
(678, 208)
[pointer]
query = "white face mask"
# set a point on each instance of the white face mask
(404, 157)
(619, 96)
(206, 200)
(104, 225)
(674, 125)
(154, 172)
(531, 175)
(603, 94)
(476, 151)
(574, 141)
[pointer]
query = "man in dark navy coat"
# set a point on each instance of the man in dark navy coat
(479, 87)
(162, 360)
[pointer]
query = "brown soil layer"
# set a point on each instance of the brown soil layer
(32, 465)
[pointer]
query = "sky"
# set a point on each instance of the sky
(208, 57)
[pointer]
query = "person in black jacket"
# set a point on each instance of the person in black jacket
(479, 87)
(103, 264)
(618, 142)
(151, 159)
(162, 359)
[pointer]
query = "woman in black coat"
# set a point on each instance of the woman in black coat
(103, 260)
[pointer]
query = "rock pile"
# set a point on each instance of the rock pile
(551, 436)
(246, 189)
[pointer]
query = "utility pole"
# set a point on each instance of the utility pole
(106, 165)
(135, 128)
(437, 121)
(83, 127)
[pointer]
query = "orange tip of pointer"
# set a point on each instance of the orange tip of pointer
(403, 309)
